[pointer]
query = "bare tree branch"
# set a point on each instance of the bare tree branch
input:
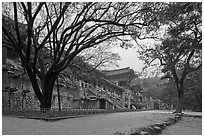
(54, 25)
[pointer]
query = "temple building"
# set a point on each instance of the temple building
(121, 77)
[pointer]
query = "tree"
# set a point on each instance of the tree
(54, 34)
(101, 57)
(193, 88)
(193, 91)
(179, 53)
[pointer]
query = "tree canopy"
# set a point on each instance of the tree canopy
(179, 52)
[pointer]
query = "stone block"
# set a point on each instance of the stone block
(119, 133)
(134, 132)
(157, 129)
(161, 125)
(144, 133)
(168, 122)
(178, 114)
(151, 130)
(177, 117)
(172, 120)
(164, 125)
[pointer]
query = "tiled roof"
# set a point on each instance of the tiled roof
(118, 71)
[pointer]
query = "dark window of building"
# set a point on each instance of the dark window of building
(102, 104)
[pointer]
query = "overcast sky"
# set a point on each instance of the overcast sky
(129, 57)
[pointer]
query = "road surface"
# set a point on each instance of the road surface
(101, 124)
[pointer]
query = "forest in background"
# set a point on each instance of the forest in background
(165, 90)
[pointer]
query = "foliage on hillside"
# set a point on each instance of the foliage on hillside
(165, 90)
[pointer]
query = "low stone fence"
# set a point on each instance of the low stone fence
(37, 113)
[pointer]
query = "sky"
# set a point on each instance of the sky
(129, 57)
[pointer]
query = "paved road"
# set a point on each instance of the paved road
(187, 126)
(103, 124)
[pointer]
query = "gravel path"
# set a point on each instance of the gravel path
(187, 126)
(102, 124)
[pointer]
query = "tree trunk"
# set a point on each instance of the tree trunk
(179, 106)
(35, 85)
(47, 85)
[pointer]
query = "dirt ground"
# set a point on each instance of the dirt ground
(101, 124)
(187, 126)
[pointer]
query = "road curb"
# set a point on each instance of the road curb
(52, 119)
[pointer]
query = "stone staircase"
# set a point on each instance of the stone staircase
(116, 100)
(111, 98)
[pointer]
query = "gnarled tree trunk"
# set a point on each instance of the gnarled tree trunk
(47, 85)
(179, 106)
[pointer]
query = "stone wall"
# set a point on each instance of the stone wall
(20, 101)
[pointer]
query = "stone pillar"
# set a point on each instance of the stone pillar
(61, 102)
(106, 107)
(36, 102)
(23, 100)
(11, 100)
(123, 99)
(71, 102)
(98, 103)
(129, 100)
(80, 83)
(172, 107)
